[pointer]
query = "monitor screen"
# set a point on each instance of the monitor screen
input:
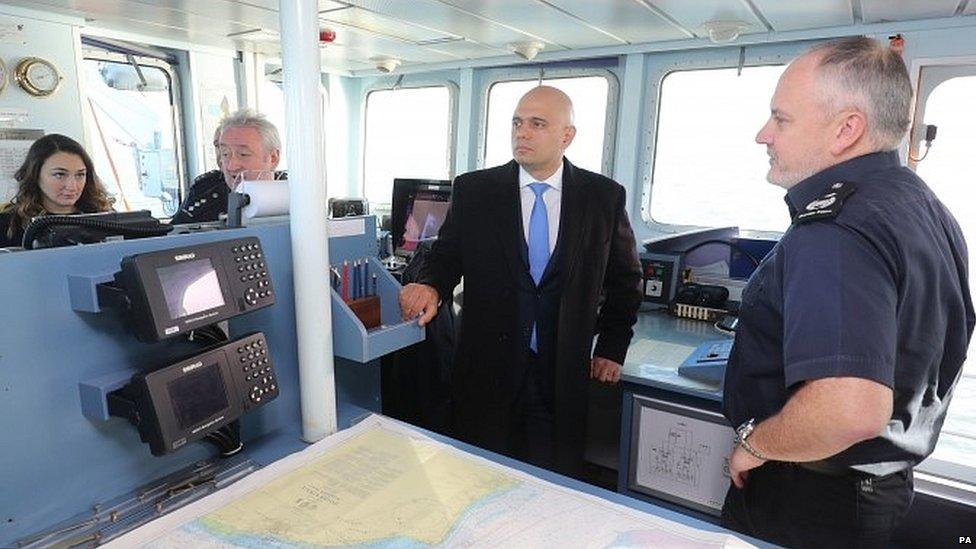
(190, 287)
(419, 209)
(197, 395)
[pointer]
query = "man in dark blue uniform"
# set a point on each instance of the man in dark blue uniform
(248, 146)
(854, 329)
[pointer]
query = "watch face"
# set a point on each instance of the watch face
(37, 76)
(743, 430)
(43, 76)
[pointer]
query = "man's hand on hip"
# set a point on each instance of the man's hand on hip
(419, 300)
(740, 463)
(604, 369)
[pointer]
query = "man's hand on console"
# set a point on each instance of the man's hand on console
(419, 300)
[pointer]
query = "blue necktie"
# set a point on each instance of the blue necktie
(538, 241)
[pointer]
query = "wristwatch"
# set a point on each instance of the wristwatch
(742, 433)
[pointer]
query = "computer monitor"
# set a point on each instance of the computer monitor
(419, 209)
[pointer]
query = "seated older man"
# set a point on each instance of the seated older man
(248, 147)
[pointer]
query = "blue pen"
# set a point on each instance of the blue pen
(362, 280)
(359, 269)
(365, 277)
(355, 280)
(374, 285)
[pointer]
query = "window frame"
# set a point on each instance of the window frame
(497, 76)
(943, 70)
(96, 53)
(397, 84)
(658, 68)
(939, 477)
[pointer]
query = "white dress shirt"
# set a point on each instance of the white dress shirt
(553, 198)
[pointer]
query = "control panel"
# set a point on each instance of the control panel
(660, 274)
(170, 292)
(197, 395)
(256, 369)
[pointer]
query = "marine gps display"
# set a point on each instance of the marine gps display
(191, 398)
(173, 291)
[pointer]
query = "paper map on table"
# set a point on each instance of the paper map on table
(382, 484)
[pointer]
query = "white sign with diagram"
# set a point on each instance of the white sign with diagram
(681, 454)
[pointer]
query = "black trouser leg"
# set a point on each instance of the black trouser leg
(531, 437)
(794, 507)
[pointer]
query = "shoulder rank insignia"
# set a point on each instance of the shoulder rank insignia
(828, 204)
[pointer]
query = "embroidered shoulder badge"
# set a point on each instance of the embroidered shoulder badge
(828, 204)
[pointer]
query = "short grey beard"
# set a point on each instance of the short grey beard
(788, 180)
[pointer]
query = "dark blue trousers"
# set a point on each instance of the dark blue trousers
(789, 505)
(531, 433)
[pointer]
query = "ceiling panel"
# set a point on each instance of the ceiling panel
(336, 58)
(147, 29)
(361, 45)
(273, 4)
(540, 19)
(691, 15)
(325, 5)
(787, 15)
(382, 24)
(442, 17)
(216, 10)
(877, 11)
(148, 19)
(464, 49)
(627, 19)
(436, 31)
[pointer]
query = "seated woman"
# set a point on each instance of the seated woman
(57, 177)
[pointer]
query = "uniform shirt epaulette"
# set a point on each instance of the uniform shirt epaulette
(828, 205)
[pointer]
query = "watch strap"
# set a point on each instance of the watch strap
(742, 433)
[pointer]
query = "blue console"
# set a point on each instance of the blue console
(64, 351)
(707, 362)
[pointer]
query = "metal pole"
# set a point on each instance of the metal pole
(307, 195)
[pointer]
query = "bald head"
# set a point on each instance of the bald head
(542, 130)
(561, 104)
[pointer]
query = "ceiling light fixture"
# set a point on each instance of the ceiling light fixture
(385, 63)
(723, 32)
(527, 50)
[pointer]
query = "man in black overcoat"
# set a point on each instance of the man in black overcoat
(549, 263)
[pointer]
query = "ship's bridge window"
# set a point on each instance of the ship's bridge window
(945, 99)
(590, 96)
(707, 168)
(271, 103)
(133, 113)
(407, 134)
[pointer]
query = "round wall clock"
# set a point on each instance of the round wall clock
(37, 76)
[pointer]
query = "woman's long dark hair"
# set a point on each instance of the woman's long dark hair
(28, 202)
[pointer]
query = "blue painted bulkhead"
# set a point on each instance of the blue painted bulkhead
(55, 463)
